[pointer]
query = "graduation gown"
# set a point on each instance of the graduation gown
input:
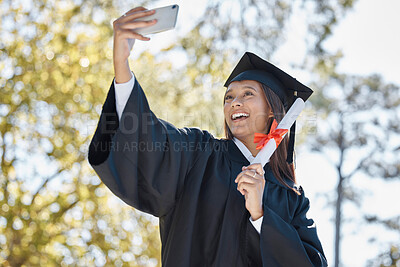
(185, 177)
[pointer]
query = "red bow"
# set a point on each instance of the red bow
(276, 134)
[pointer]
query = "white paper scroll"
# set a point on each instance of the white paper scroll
(266, 152)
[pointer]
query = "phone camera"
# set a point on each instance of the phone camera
(174, 6)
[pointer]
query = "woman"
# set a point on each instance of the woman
(214, 207)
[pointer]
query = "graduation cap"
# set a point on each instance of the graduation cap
(287, 88)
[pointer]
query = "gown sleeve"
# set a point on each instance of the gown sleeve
(142, 159)
(122, 93)
(294, 243)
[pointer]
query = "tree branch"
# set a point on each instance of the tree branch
(64, 210)
(44, 184)
(359, 166)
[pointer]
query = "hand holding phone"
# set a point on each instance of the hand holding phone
(131, 26)
(166, 20)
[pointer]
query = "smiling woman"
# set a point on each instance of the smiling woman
(246, 111)
(265, 107)
(215, 207)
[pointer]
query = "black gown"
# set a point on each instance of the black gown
(186, 178)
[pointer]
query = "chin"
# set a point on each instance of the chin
(241, 134)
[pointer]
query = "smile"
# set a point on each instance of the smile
(239, 116)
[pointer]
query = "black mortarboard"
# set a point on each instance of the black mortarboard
(252, 67)
(287, 88)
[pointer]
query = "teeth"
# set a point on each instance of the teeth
(237, 115)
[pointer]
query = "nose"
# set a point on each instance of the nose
(236, 102)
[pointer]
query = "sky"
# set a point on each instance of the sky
(369, 40)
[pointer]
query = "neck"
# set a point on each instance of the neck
(249, 143)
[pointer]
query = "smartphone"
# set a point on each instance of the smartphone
(166, 20)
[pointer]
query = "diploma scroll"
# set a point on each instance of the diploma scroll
(266, 152)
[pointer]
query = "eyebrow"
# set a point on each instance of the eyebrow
(250, 87)
(246, 86)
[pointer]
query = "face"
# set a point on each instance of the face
(246, 109)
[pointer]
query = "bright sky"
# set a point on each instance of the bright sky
(370, 43)
(370, 39)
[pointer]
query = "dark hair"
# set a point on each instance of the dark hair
(280, 167)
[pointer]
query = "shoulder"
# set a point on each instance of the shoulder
(196, 131)
(196, 134)
(202, 141)
(203, 134)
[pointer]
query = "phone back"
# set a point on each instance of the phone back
(166, 20)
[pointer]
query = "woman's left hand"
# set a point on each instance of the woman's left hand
(251, 184)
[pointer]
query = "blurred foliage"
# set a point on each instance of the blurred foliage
(55, 71)
(391, 259)
(359, 134)
(387, 259)
(364, 118)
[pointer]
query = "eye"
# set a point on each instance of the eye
(227, 97)
(247, 93)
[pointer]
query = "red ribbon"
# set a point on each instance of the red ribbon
(276, 134)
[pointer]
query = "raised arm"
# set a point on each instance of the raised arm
(124, 39)
(141, 159)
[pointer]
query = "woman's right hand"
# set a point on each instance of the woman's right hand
(125, 36)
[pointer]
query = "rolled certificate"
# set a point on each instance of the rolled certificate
(266, 152)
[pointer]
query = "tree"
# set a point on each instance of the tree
(361, 127)
(54, 74)
(55, 63)
(391, 257)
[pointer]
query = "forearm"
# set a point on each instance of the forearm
(122, 71)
